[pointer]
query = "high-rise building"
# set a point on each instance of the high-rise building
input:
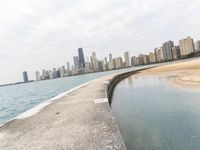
(127, 59)
(76, 62)
(176, 52)
(117, 63)
(110, 57)
(94, 62)
(140, 60)
(88, 67)
(146, 59)
(54, 73)
(197, 46)
(100, 65)
(152, 57)
(106, 63)
(159, 54)
(62, 71)
(25, 76)
(68, 67)
(110, 63)
(167, 50)
(133, 61)
(81, 58)
(186, 46)
(37, 75)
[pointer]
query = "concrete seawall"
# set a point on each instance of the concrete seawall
(117, 78)
(81, 119)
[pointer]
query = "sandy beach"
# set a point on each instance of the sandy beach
(184, 73)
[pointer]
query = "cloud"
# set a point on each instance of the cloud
(45, 34)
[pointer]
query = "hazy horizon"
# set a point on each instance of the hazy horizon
(46, 34)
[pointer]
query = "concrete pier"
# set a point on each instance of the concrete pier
(81, 119)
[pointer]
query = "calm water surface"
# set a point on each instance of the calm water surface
(152, 114)
(17, 99)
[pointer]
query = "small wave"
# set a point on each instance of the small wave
(39, 107)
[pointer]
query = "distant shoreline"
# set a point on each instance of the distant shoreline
(185, 73)
(17, 83)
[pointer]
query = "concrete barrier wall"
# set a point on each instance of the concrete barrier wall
(118, 78)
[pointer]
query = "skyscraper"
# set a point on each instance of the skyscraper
(68, 67)
(167, 50)
(133, 61)
(186, 46)
(159, 54)
(76, 62)
(110, 57)
(176, 52)
(127, 59)
(146, 59)
(197, 46)
(37, 75)
(94, 62)
(25, 76)
(152, 57)
(81, 58)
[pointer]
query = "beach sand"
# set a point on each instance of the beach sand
(184, 73)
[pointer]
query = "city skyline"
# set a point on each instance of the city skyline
(36, 35)
(168, 51)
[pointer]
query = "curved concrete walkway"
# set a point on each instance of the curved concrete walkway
(81, 119)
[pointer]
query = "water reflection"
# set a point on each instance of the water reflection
(154, 115)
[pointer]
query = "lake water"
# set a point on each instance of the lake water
(17, 99)
(152, 114)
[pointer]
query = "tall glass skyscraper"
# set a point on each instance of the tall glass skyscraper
(81, 58)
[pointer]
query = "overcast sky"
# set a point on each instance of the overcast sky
(37, 34)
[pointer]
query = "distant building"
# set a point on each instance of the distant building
(159, 54)
(88, 67)
(68, 67)
(176, 52)
(117, 63)
(152, 57)
(186, 46)
(114, 63)
(140, 60)
(54, 73)
(127, 59)
(94, 62)
(110, 65)
(100, 65)
(197, 46)
(146, 59)
(110, 57)
(133, 61)
(167, 50)
(106, 63)
(81, 58)
(76, 62)
(58, 73)
(62, 71)
(25, 76)
(37, 75)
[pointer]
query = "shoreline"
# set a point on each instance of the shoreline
(185, 74)
(83, 113)
(36, 109)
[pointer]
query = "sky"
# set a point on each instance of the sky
(42, 34)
